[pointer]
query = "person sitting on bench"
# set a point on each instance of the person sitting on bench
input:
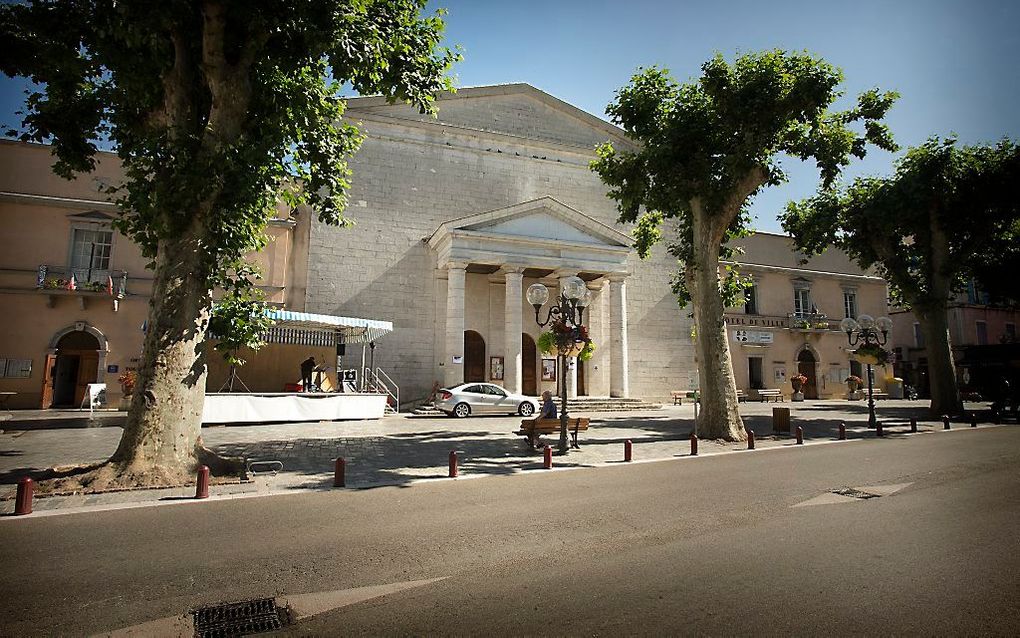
(548, 406)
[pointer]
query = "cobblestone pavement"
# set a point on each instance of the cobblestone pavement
(400, 449)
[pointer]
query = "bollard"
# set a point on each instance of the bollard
(547, 458)
(973, 420)
(23, 502)
(913, 425)
(202, 485)
(878, 429)
(453, 463)
(842, 430)
(340, 473)
(628, 451)
(945, 421)
(694, 444)
(750, 439)
(800, 435)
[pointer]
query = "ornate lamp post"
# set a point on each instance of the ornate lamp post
(571, 336)
(865, 331)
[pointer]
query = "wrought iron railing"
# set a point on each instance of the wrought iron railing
(113, 282)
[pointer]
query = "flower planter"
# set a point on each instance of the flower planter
(797, 396)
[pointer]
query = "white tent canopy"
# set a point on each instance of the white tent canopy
(308, 329)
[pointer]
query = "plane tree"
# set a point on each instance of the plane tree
(704, 149)
(213, 107)
(947, 214)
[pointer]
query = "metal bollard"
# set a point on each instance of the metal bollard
(913, 425)
(340, 473)
(453, 463)
(694, 444)
(202, 485)
(842, 430)
(23, 502)
(878, 429)
(973, 420)
(547, 458)
(750, 439)
(628, 451)
(945, 421)
(800, 435)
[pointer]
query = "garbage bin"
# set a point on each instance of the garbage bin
(894, 388)
(780, 420)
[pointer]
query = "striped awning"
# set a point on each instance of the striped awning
(309, 329)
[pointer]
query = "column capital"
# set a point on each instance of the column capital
(511, 269)
(596, 284)
(456, 265)
(560, 273)
(617, 277)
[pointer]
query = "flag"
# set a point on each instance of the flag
(109, 285)
(71, 285)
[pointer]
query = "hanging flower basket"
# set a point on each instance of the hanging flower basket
(872, 354)
(563, 340)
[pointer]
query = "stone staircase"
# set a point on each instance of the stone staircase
(427, 410)
(608, 404)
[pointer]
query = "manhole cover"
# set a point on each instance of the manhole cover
(239, 619)
(852, 493)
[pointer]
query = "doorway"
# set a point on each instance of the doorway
(76, 366)
(806, 366)
(474, 357)
(582, 390)
(529, 366)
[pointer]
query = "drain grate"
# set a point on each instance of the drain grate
(851, 492)
(239, 619)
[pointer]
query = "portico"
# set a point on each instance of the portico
(488, 259)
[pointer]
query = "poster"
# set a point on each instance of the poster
(496, 368)
(780, 375)
(548, 369)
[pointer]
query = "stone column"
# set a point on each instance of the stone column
(571, 361)
(597, 370)
(619, 385)
(513, 327)
(456, 275)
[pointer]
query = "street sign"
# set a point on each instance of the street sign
(752, 336)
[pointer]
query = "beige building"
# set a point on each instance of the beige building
(790, 321)
(55, 340)
(455, 218)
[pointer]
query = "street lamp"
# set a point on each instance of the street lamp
(571, 336)
(865, 331)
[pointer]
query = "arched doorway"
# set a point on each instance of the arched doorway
(474, 357)
(582, 391)
(76, 365)
(529, 366)
(806, 366)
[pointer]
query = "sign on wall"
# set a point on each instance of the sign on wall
(752, 336)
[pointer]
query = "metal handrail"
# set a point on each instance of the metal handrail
(378, 381)
(390, 383)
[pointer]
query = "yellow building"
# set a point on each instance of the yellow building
(790, 321)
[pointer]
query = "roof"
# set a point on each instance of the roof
(295, 327)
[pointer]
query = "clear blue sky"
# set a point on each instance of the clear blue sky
(956, 63)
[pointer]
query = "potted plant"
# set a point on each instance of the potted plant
(798, 381)
(854, 383)
(127, 387)
(570, 342)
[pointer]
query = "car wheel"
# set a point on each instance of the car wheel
(526, 409)
(461, 410)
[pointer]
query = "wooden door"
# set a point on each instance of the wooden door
(87, 373)
(806, 366)
(47, 382)
(529, 366)
(474, 357)
(581, 389)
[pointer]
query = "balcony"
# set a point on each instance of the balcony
(82, 284)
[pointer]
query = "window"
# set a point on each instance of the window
(751, 300)
(16, 368)
(754, 373)
(918, 336)
(802, 302)
(90, 253)
(1010, 333)
(850, 304)
(982, 332)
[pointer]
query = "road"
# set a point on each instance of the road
(692, 545)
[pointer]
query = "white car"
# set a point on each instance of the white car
(483, 398)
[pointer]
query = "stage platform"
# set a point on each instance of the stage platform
(277, 407)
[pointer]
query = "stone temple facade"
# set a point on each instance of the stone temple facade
(457, 216)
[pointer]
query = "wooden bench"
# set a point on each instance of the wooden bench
(773, 394)
(678, 397)
(741, 396)
(533, 428)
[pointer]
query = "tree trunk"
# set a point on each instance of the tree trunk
(163, 432)
(945, 395)
(719, 417)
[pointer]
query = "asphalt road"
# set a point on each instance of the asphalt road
(710, 545)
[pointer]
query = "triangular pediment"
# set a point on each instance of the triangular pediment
(542, 220)
(519, 110)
